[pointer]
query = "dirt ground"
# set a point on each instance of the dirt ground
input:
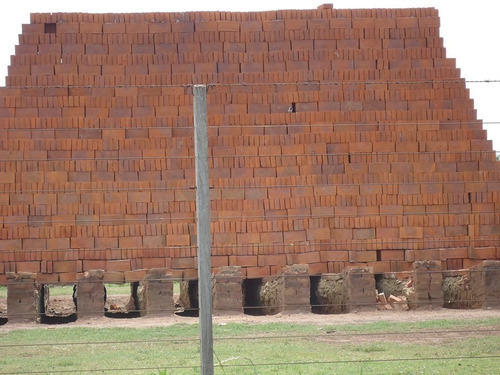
(354, 318)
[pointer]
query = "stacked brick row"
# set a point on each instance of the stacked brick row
(337, 138)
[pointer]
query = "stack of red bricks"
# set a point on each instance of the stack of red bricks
(337, 138)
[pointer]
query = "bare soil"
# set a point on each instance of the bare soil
(62, 304)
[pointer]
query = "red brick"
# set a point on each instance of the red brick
(130, 242)
(243, 260)
(258, 272)
(334, 256)
(386, 255)
(411, 232)
(272, 260)
(362, 256)
(66, 266)
(94, 265)
(306, 258)
(219, 260)
(113, 277)
(178, 240)
(118, 265)
(33, 267)
(134, 276)
(318, 234)
(484, 253)
(45, 278)
(67, 277)
(148, 263)
(183, 263)
(82, 242)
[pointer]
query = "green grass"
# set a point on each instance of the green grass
(3, 292)
(238, 352)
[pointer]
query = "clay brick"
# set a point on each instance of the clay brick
(178, 240)
(306, 258)
(362, 256)
(32, 267)
(106, 243)
(94, 265)
(183, 263)
(46, 278)
(219, 261)
(130, 242)
(228, 26)
(271, 260)
(362, 181)
(484, 253)
(387, 255)
(113, 277)
(66, 266)
(205, 26)
(149, 263)
(456, 253)
(258, 272)
(82, 242)
(134, 276)
(67, 277)
(411, 232)
(334, 256)
(243, 260)
(183, 27)
(318, 234)
(363, 234)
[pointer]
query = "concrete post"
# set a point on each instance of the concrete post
(203, 228)
(428, 284)
(485, 284)
(23, 297)
(155, 293)
(297, 289)
(90, 295)
(359, 288)
(227, 291)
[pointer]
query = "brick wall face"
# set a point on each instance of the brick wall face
(353, 141)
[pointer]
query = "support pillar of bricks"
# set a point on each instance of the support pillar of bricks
(296, 289)
(23, 297)
(156, 294)
(227, 293)
(90, 294)
(428, 284)
(359, 288)
(485, 284)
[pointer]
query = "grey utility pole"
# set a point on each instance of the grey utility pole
(203, 229)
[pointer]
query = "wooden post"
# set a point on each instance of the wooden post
(203, 228)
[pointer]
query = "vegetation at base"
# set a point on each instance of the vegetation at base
(295, 349)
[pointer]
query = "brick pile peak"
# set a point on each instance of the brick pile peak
(338, 137)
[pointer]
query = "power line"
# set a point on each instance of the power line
(262, 364)
(247, 218)
(261, 84)
(263, 126)
(337, 334)
(367, 155)
(339, 245)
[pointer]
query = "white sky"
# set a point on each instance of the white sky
(470, 30)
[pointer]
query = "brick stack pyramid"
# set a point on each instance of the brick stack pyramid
(336, 137)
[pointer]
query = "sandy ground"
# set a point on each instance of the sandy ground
(354, 318)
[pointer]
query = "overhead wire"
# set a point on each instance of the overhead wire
(261, 364)
(261, 84)
(334, 335)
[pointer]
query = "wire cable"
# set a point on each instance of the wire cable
(261, 364)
